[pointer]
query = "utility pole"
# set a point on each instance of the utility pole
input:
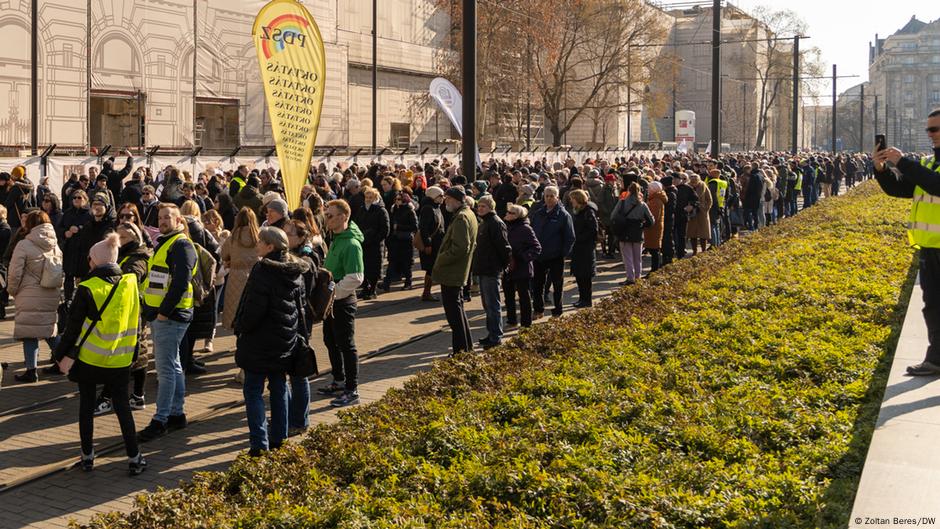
(375, 74)
(834, 79)
(796, 94)
(716, 78)
(744, 112)
(468, 163)
(528, 98)
(34, 80)
(861, 119)
(629, 96)
(875, 120)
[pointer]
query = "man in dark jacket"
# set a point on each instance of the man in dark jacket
(920, 180)
(555, 230)
(133, 191)
(753, 199)
(116, 178)
(168, 306)
(249, 197)
(490, 260)
(669, 220)
(686, 204)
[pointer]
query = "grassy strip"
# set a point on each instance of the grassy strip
(736, 389)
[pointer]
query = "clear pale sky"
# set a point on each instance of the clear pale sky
(842, 29)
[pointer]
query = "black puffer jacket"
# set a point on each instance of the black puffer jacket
(70, 252)
(374, 223)
(91, 234)
(18, 200)
(268, 317)
(492, 254)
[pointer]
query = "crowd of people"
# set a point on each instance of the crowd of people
(123, 266)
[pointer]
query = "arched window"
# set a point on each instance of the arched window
(16, 38)
(116, 54)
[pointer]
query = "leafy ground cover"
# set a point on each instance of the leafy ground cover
(735, 389)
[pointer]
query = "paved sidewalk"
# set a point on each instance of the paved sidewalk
(900, 484)
(218, 432)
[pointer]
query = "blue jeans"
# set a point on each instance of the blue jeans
(489, 293)
(171, 389)
(253, 389)
(299, 403)
(716, 233)
(31, 350)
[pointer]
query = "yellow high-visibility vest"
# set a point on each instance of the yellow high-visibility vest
(157, 282)
(722, 188)
(240, 183)
(112, 341)
(924, 228)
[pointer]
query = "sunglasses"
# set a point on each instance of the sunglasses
(127, 216)
(932, 130)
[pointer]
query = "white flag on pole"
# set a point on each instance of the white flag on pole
(446, 95)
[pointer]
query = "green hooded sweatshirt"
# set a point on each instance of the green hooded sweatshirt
(345, 255)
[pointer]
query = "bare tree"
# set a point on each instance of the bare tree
(774, 59)
(587, 54)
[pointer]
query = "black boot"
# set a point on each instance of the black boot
(30, 375)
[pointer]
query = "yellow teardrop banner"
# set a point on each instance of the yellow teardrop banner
(293, 68)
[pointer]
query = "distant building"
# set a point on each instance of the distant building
(905, 70)
(689, 85)
(141, 90)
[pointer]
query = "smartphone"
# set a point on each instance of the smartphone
(881, 142)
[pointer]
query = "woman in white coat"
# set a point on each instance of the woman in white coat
(36, 261)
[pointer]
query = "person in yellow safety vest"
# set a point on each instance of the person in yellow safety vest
(920, 180)
(168, 306)
(239, 179)
(719, 191)
(99, 345)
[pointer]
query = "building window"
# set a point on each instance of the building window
(935, 96)
(908, 45)
(120, 56)
(908, 79)
(934, 78)
(18, 34)
(908, 96)
(907, 60)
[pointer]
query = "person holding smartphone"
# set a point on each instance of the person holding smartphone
(919, 180)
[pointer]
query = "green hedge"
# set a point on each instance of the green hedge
(735, 389)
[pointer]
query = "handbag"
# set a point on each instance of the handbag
(303, 357)
(417, 241)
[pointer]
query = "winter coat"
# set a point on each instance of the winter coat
(525, 248)
(669, 213)
(133, 258)
(374, 223)
(403, 224)
(754, 196)
(199, 235)
(604, 196)
(268, 320)
(493, 252)
(653, 235)
(700, 227)
(91, 234)
(452, 267)
(116, 178)
(504, 194)
(239, 261)
(685, 196)
(633, 211)
(36, 306)
(249, 198)
(431, 226)
(555, 231)
(583, 255)
(132, 193)
(6, 235)
(18, 200)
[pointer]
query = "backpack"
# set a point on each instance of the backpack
(320, 301)
(204, 280)
(53, 275)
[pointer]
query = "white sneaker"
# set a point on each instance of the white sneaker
(137, 403)
(208, 347)
(104, 406)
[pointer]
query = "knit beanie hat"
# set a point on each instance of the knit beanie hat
(278, 206)
(106, 251)
(18, 172)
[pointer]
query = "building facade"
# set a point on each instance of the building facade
(688, 86)
(905, 69)
(184, 73)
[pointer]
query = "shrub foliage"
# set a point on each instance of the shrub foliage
(735, 389)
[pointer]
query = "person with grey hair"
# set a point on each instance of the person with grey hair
(555, 231)
(490, 259)
(268, 323)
